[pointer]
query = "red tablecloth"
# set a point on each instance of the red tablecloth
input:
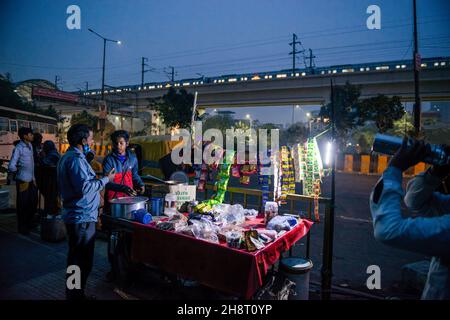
(234, 271)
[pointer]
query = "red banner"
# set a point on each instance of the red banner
(55, 94)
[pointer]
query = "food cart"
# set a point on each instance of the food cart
(239, 268)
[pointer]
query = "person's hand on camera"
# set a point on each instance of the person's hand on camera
(408, 156)
(112, 174)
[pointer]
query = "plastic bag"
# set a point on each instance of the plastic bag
(186, 230)
(234, 215)
(233, 239)
(250, 213)
(205, 230)
(279, 223)
(272, 234)
(174, 223)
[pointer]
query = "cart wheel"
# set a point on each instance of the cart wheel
(122, 265)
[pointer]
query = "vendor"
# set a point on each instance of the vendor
(127, 179)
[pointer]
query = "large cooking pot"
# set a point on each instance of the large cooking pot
(123, 206)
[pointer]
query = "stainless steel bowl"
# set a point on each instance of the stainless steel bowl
(122, 207)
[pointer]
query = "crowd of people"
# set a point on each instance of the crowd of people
(71, 187)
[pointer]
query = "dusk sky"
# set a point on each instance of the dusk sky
(207, 37)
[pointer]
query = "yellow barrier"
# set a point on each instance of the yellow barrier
(348, 163)
(382, 164)
(365, 161)
(365, 164)
(99, 150)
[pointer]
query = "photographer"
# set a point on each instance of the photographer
(429, 232)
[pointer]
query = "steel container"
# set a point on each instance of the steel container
(124, 206)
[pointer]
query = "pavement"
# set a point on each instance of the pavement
(33, 269)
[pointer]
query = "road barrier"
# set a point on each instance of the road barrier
(99, 150)
(371, 164)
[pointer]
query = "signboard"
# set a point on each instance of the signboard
(54, 94)
(183, 193)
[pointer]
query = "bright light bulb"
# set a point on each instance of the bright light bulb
(328, 153)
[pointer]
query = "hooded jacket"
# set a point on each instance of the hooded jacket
(126, 173)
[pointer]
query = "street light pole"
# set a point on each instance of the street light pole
(103, 69)
(416, 62)
(327, 265)
(104, 57)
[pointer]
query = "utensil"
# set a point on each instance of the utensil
(123, 206)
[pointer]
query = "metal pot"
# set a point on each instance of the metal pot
(122, 207)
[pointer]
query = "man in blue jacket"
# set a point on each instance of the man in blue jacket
(79, 189)
(427, 233)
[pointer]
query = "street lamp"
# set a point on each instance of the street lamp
(308, 115)
(293, 111)
(104, 54)
(249, 119)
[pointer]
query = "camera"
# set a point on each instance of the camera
(435, 154)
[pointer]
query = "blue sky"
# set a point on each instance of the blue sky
(207, 37)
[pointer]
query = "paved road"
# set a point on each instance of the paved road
(355, 247)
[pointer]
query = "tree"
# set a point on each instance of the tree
(219, 121)
(8, 97)
(363, 144)
(90, 120)
(175, 108)
(382, 110)
(403, 126)
(296, 133)
(51, 112)
(345, 109)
